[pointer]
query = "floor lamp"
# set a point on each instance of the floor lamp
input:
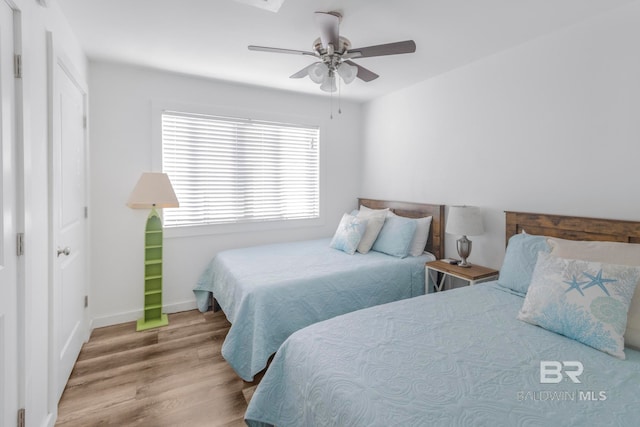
(152, 191)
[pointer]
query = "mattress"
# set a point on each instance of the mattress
(454, 358)
(268, 292)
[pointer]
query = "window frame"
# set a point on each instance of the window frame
(158, 107)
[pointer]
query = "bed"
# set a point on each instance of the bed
(268, 292)
(458, 357)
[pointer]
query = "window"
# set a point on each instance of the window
(230, 170)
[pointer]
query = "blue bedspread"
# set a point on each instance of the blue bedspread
(456, 358)
(268, 292)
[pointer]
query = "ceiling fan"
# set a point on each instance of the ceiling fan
(335, 54)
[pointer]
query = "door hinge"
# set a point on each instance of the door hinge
(84, 122)
(20, 244)
(21, 421)
(86, 301)
(17, 66)
(86, 212)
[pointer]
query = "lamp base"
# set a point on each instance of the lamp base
(464, 250)
(153, 323)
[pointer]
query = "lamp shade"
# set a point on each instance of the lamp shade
(318, 72)
(347, 72)
(153, 189)
(464, 221)
(329, 85)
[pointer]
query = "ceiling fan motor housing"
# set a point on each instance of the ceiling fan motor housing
(332, 55)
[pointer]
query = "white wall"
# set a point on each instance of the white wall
(36, 21)
(550, 126)
(122, 141)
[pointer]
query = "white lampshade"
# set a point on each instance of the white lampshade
(329, 85)
(347, 72)
(464, 221)
(318, 72)
(153, 189)
(270, 5)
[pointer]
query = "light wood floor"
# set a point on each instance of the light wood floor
(170, 376)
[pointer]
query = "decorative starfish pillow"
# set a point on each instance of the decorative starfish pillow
(349, 233)
(586, 301)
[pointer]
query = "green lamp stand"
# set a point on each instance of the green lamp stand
(153, 316)
(153, 190)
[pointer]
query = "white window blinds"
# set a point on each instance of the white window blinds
(227, 170)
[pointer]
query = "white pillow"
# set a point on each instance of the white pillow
(363, 208)
(375, 220)
(422, 235)
(611, 253)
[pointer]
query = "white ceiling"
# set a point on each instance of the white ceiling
(209, 38)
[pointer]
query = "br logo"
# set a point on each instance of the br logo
(552, 371)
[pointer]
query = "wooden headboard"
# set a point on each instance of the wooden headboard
(573, 227)
(435, 243)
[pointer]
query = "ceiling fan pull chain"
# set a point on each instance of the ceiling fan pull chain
(339, 97)
(331, 105)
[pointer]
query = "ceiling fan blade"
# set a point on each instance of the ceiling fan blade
(407, 46)
(328, 24)
(363, 73)
(302, 73)
(278, 50)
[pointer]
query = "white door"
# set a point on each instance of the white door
(8, 204)
(69, 222)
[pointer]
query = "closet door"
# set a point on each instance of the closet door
(69, 219)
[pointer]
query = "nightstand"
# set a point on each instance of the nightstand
(474, 274)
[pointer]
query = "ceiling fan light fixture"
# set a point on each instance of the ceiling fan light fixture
(270, 5)
(347, 72)
(329, 85)
(318, 72)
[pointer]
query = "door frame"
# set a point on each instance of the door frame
(20, 208)
(57, 60)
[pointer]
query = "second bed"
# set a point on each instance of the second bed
(268, 292)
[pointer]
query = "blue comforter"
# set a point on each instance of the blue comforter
(456, 358)
(268, 292)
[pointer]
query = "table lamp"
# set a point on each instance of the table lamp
(153, 190)
(464, 221)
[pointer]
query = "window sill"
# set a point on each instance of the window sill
(245, 227)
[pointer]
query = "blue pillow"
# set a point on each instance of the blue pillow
(520, 261)
(586, 301)
(396, 236)
(349, 233)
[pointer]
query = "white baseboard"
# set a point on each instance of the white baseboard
(130, 316)
(50, 421)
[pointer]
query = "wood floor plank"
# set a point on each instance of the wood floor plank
(142, 354)
(170, 376)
